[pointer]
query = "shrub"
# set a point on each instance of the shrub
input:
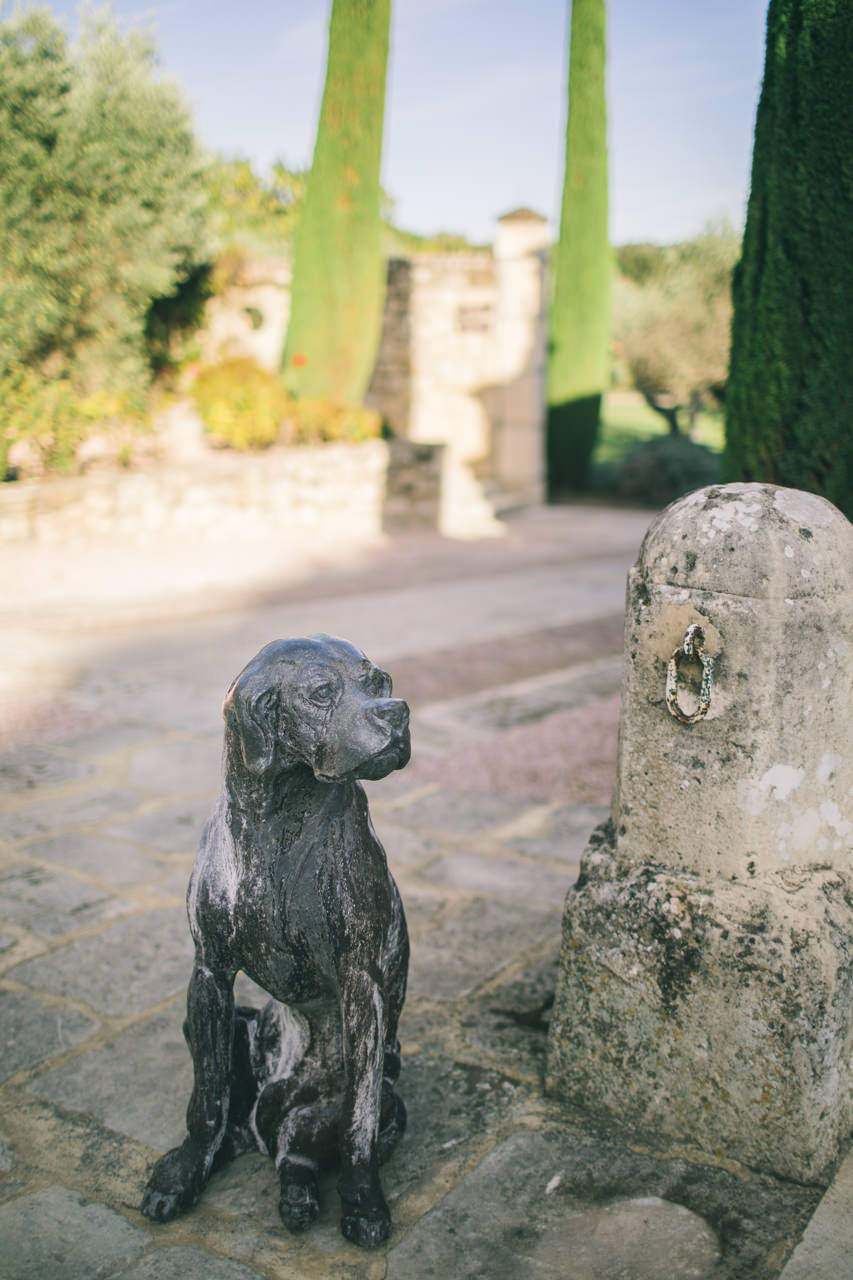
(102, 207)
(173, 322)
(241, 403)
(659, 470)
(247, 407)
(317, 421)
(50, 420)
(251, 212)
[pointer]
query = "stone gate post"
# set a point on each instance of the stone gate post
(518, 444)
(706, 979)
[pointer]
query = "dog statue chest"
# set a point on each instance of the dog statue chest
(318, 888)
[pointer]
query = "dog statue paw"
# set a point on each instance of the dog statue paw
(299, 1203)
(176, 1182)
(292, 887)
(365, 1219)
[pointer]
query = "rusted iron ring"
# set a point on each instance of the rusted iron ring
(693, 649)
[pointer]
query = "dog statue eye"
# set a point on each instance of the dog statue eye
(323, 694)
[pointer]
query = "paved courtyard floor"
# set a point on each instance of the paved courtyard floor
(509, 653)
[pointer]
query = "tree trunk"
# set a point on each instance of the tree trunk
(579, 322)
(669, 412)
(338, 273)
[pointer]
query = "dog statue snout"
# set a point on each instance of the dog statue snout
(394, 712)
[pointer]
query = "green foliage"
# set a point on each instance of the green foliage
(579, 321)
(171, 323)
(657, 471)
(101, 198)
(50, 419)
(246, 407)
(338, 273)
(626, 420)
(640, 263)
(253, 213)
(323, 421)
(672, 316)
(789, 391)
(241, 404)
(404, 243)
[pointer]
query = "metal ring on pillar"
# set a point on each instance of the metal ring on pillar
(692, 648)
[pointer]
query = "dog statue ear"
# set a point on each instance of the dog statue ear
(248, 716)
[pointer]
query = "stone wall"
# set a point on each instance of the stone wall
(459, 378)
(462, 357)
(350, 491)
(461, 360)
(249, 317)
(431, 367)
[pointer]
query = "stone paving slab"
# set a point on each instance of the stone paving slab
(93, 806)
(137, 1083)
(562, 834)
(32, 767)
(503, 876)
(511, 1217)
(826, 1249)
(181, 767)
(117, 862)
(458, 812)
(55, 1232)
(572, 1202)
(34, 1030)
(460, 953)
(50, 903)
(512, 654)
(127, 968)
(169, 828)
(107, 742)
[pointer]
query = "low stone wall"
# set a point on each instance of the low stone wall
(348, 490)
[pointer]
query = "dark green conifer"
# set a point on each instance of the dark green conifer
(790, 391)
(337, 287)
(579, 324)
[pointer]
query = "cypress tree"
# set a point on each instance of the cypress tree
(579, 322)
(337, 286)
(790, 390)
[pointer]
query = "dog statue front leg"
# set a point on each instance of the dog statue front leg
(365, 1219)
(179, 1177)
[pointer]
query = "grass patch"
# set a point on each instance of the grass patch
(626, 419)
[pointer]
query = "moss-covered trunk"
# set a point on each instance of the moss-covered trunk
(338, 279)
(579, 324)
(789, 400)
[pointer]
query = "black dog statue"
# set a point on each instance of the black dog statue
(291, 886)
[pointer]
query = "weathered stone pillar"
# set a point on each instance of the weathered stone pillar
(706, 985)
(518, 446)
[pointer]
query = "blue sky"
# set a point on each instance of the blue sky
(475, 112)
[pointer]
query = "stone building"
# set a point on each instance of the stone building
(461, 362)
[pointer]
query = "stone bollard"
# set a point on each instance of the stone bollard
(706, 979)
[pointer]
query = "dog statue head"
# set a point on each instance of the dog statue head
(316, 701)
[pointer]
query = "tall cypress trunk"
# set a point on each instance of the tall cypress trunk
(579, 323)
(789, 397)
(338, 274)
